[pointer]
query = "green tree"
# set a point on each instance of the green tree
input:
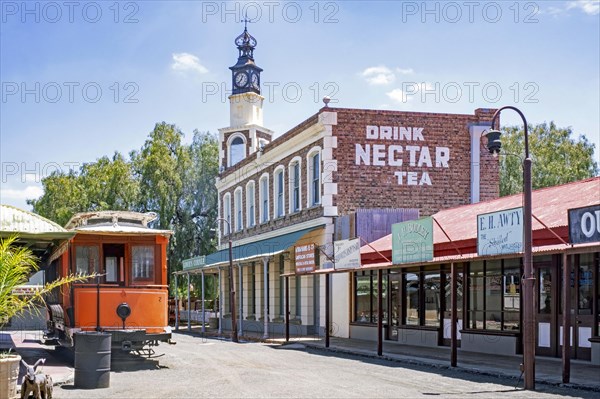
(557, 157)
(63, 196)
(16, 265)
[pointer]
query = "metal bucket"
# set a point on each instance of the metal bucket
(92, 360)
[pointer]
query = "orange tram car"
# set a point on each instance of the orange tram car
(129, 298)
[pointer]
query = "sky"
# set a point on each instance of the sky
(81, 80)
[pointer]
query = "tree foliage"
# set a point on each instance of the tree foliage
(557, 158)
(166, 176)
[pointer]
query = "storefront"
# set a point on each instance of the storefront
(417, 297)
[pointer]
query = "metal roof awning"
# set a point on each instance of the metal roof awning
(246, 252)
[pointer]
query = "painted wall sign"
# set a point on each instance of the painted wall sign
(410, 156)
(412, 241)
(500, 232)
(305, 258)
(347, 254)
(584, 224)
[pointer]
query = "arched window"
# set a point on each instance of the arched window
(237, 149)
(278, 192)
(250, 201)
(237, 196)
(226, 213)
(264, 198)
(314, 177)
(295, 179)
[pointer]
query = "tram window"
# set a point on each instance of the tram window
(87, 259)
(111, 269)
(142, 263)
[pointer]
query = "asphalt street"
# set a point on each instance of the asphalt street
(200, 367)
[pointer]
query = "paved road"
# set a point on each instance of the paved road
(197, 367)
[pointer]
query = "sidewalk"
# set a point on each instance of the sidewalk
(548, 370)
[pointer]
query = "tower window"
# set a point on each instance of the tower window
(237, 150)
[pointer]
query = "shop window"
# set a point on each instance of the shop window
(87, 259)
(142, 263)
(422, 305)
(250, 200)
(365, 297)
(494, 295)
(239, 225)
(586, 284)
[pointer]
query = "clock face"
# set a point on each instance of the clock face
(255, 80)
(241, 79)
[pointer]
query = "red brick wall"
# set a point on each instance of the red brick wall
(370, 186)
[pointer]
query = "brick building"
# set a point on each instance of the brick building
(341, 173)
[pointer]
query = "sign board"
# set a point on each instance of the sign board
(193, 263)
(412, 241)
(347, 254)
(305, 258)
(584, 224)
(26, 290)
(500, 232)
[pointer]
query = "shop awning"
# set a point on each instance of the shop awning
(246, 252)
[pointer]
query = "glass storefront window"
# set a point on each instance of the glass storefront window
(432, 284)
(586, 284)
(412, 293)
(365, 297)
(494, 289)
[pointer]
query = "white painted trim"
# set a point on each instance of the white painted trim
(228, 145)
(310, 174)
(238, 226)
(248, 198)
(261, 195)
(285, 149)
(278, 169)
(295, 160)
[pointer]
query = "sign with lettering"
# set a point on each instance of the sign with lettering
(408, 154)
(347, 254)
(305, 258)
(412, 241)
(193, 263)
(500, 232)
(584, 224)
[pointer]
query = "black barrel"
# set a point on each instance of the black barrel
(92, 360)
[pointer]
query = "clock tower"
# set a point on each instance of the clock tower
(245, 100)
(245, 134)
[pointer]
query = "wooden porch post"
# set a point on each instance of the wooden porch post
(379, 312)
(566, 294)
(454, 315)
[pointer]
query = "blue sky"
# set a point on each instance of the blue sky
(85, 79)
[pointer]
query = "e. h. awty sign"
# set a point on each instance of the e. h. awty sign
(500, 232)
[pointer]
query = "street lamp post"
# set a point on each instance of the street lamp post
(528, 276)
(234, 332)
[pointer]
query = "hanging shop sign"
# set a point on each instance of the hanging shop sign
(305, 258)
(500, 232)
(347, 254)
(195, 262)
(412, 241)
(584, 224)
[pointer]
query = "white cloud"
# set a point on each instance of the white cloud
(590, 7)
(408, 71)
(29, 192)
(411, 89)
(378, 75)
(187, 62)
